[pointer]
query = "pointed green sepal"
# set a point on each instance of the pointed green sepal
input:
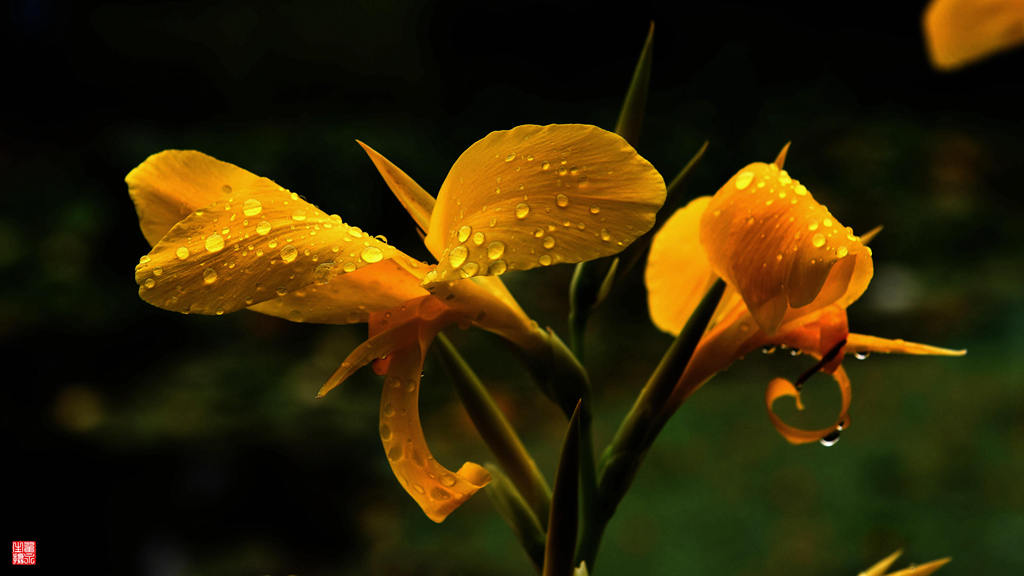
(495, 430)
(631, 117)
(560, 547)
(517, 515)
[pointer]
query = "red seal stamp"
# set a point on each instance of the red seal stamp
(23, 553)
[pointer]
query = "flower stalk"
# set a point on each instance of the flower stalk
(496, 431)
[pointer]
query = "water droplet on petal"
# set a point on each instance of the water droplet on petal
(470, 269)
(605, 235)
(538, 232)
(495, 250)
(289, 253)
(181, 252)
(252, 207)
(830, 439)
(511, 156)
(595, 210)
(371, 254)
(457, 256)
(861, 355)
(263, 228)
(158, 271)
(149, 283)
(385, 432)
(545, 260)
(464, 232)
(744, 179)
(549, 242)
(818, 240)
(522, 210)
(478, 238)
(497, 268)
(545, 165)
(349, 267)
(395, 453)
(562, 200)
(209, 276)
(448, 480)
(827, 222)
(299, 215)
(439, 494)
(842, 251)
(214, 243)
(322, 273)
(144, 260)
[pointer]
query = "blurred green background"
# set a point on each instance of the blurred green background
(138, 441)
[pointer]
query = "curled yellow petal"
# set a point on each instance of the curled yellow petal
(436, 489)
(172, 184)
(959, 32)
(416, 201)
(783, 251)
(540, 195)
(780, 387)
(864, 344)
(254, 244)
(678, 273)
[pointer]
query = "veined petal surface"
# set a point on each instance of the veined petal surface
(678, 273)
(172, 184)
(783, 251)
(254, 244)
(539, 195)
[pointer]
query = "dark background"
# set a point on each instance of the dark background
(138, 441)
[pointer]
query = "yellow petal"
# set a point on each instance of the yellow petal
(862, 344)
(959, 32)
(172, 184)
(388, 334)
(436, 489)
(347, 298)
(780, 387)
(923, 569)
(254, 244)
(417, 201)
(539, 195)
(784, 252)
(882, 565)
(678, 273)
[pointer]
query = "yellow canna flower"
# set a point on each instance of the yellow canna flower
(225, 239)
(961, 32)
(791, 271)
(879, 569)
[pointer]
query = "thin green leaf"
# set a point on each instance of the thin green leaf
(645, 419)
(495, 429)
(517, 515)
(563, 522)
(631, 117)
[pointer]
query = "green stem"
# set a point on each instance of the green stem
(496, 431)
(640, 427)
